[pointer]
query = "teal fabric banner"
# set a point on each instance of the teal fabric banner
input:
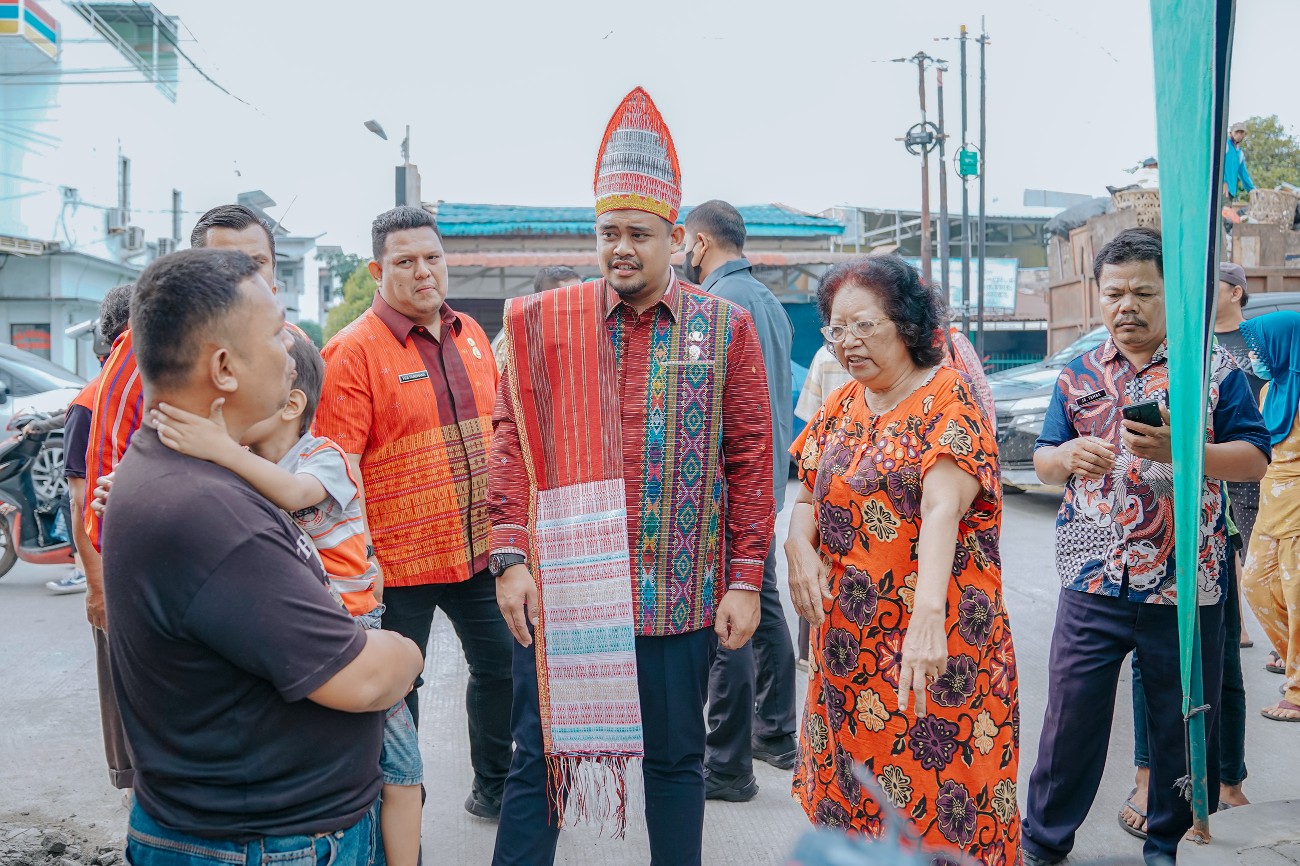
(1192, 42)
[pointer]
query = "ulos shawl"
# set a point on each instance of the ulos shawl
(563, 385)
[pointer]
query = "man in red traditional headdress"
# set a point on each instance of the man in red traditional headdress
(631, 510)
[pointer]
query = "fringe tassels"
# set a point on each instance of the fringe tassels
(589, 789)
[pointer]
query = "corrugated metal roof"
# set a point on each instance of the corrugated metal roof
(456, 219)
(588, 259)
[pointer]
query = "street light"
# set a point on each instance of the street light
(408, 176)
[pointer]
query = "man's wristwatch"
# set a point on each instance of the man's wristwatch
(499, 562)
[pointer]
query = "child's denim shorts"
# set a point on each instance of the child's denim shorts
(399, 761)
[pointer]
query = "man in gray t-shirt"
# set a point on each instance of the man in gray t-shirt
(1228, 317)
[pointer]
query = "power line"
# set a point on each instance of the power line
(92, 70)
(195, 66)
(70, 83)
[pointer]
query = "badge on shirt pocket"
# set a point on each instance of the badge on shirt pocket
(413, 377)
(1088, 399)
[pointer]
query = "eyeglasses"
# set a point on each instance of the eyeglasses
(863, 329)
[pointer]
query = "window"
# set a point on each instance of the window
(31, 338)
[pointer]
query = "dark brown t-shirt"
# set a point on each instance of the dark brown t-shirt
(221, 627)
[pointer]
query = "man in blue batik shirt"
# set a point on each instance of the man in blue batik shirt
(1115, 555)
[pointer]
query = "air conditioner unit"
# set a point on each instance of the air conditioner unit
(118, 220)
(133, 240)
(21, 246)
(166, 246)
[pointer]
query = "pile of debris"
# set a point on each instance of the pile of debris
(36, 846)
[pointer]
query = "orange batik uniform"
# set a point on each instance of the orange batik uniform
(423, 435)
(953, 769)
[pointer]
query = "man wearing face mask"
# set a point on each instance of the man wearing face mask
(751, 690)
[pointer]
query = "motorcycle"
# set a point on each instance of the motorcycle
(29, 525)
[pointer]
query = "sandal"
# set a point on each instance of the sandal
(1274, 664)
(1125, 825)
(1282, 705)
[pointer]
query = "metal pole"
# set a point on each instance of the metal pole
(926, 252)
(965, 204)
(979, 315)
(943, 195)
(176, 215)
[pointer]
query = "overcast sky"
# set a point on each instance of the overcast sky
(792, 102)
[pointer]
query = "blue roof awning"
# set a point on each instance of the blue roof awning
(456, 219)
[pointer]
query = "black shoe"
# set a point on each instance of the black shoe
(1034, 860)
(733, 789)
(481, 806)
(780, 753)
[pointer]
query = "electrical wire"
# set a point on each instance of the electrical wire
(195, 66)
(69, 83)
(90, 70)
(32, 134)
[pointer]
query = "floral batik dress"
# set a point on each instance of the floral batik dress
(952, 771)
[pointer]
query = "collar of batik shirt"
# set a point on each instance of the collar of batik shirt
(671, 300)
(1109, 352)
(401, 327)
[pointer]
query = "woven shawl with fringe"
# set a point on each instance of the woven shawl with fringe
(564, 390)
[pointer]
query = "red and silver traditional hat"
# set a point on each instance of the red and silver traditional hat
(637, 165)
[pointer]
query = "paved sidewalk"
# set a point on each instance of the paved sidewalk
(53, 775)
(1261, 834)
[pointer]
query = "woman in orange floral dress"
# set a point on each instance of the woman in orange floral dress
(894, 561)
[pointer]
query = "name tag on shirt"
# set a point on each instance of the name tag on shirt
(413, 377)
(1089, 399)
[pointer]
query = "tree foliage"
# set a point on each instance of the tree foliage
(313, 332)
(1272, 153)
(340, 266)
(358, 294)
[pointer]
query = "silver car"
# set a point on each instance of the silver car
(29, 383)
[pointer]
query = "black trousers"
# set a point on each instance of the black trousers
(751, 690)
(1232, 704)
(472, 608)
(673, 677)
(1093, 634)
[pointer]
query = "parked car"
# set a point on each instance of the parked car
(1022, 394)
(31, 384)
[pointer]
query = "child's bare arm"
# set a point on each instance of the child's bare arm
(207, 439)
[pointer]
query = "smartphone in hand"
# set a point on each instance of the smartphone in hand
(1147, 412)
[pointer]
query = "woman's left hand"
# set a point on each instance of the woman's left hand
(946, 494)
(925, 657)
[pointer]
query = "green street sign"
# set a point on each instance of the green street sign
(968, 163)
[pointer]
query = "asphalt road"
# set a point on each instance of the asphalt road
(51, 758)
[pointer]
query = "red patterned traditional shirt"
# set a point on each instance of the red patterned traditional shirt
(697, 456)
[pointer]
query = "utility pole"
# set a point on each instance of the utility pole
(965, 202)
(979, 321)
(944, 283)
(920, 140)
(176, 215)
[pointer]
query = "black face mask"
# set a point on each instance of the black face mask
(691, 272)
